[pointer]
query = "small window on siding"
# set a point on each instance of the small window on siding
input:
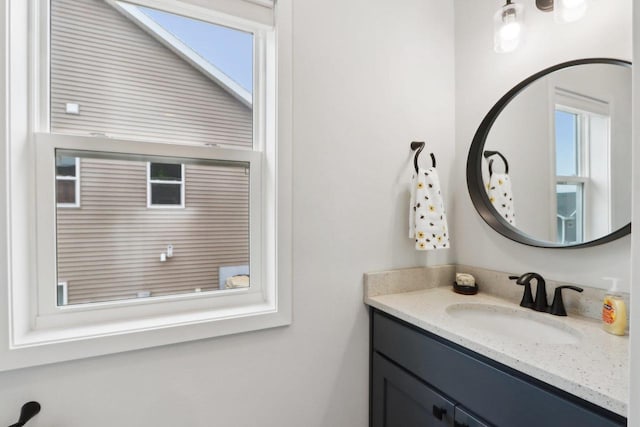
(165, 185)
(67, 181)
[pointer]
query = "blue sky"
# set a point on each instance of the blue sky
(229, 50)
(566, 139)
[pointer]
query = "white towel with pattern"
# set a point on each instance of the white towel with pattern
(427, 216)
(501, 196)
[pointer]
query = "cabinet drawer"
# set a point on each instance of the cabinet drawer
(494, 392)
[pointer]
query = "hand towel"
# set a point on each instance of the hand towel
(501, 196)
(427, 217)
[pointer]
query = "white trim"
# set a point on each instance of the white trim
(240, 14)
(265, 3)
(40, 71)
(581, 103)
(184, 51)
(150, 183)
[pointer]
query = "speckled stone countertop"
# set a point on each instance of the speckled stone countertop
(593, 367)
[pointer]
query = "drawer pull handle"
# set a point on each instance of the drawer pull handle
(439, 412)
(457, 424)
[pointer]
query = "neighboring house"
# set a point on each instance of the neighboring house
(109, 235)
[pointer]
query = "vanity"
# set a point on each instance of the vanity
(439, 358)
(435, 363)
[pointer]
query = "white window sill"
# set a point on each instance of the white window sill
(37, 347)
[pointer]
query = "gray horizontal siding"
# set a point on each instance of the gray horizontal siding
(109, 248)
(129, 84)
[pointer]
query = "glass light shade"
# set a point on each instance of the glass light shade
(508, 27)
(569, 10)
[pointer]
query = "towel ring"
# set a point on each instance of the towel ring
(419, 145)
(489, 153)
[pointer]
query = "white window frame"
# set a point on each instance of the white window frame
(33, 330)
(150, 183)
(584, 107)
(76, 178)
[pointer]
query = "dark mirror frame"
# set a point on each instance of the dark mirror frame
(475, 183)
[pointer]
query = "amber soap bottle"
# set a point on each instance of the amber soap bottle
(614, 311)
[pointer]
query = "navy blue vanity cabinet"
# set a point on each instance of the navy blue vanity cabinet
(465, 419)
(401, 400)
(420, 379)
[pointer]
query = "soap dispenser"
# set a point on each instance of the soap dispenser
(614, 310)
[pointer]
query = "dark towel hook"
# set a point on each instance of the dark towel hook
(28, 411)
(419, 145)
(490, 153)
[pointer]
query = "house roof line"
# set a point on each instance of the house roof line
(184, 51)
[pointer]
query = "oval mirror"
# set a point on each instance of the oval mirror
(550, 164)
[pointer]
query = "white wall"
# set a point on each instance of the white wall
(521, 134)
(369, 76)
(634, 320)
(482, 77)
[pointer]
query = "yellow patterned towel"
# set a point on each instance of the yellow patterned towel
(427, 217)
(501, 196)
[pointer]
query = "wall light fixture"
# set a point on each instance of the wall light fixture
(509, 20)
(508, 27)
(569, 10)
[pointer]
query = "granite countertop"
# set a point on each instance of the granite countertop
(594, 367)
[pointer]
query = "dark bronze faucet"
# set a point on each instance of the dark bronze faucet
(540, 303)
(527, 297)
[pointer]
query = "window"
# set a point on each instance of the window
(581, 136)
(165, 185)
(67, 182)
(162, 119)
(570, 176)
(132, 251)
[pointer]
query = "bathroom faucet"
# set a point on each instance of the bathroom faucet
(540, 303)
(557, 307)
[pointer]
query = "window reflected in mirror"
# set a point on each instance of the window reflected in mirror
(567, 139)
(582, 136)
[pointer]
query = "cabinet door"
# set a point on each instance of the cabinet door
(465, 419)
(400, 400)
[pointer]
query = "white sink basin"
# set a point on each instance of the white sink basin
(515, 324)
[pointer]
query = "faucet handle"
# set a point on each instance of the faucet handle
(527, 296)
(557, 307)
